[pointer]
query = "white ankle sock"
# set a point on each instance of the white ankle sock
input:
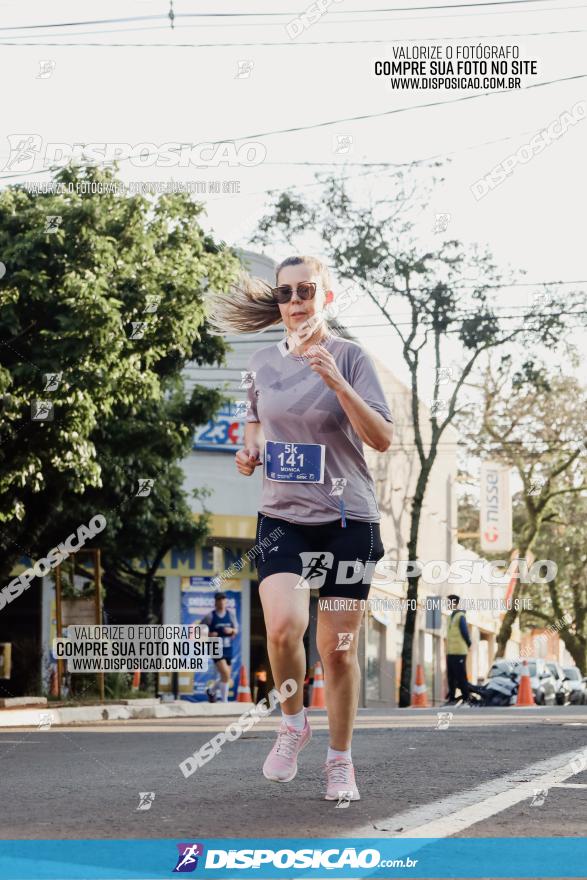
(224, 685)
(333, 753)
(298, 720)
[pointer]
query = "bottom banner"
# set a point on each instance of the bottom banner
(386, 858)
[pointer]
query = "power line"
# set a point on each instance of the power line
(294, 43)
(408, 324)
(397, 110)
(359, 118)
(266, 14)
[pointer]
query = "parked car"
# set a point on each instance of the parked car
(541, 679)
(577, 683)
(563, 687)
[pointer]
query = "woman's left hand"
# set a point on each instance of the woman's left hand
(323, 363)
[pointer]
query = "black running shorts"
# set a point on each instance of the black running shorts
(227, 657)
(335, 559)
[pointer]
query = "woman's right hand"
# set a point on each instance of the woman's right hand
(247, 460)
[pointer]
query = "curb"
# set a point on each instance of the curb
(22, 717)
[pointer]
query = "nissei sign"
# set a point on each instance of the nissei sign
(225, 432)
(496, 508)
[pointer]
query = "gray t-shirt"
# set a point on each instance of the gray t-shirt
(294, 405)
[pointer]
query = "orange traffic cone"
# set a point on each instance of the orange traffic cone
(260, 685)
(244, 691)
(419, 696)
(318, 700)
(525, 695)
(136, 680)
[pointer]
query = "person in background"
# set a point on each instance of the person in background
(221, 623)
(458, 642)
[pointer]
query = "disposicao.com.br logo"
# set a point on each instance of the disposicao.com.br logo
(316, 858)
(28, 152)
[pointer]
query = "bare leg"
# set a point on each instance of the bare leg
(286, 613)
(341, 669)
(224, 670)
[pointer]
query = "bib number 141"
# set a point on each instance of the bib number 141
(291, 456)
(295, 462)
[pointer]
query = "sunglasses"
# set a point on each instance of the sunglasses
(283, 294)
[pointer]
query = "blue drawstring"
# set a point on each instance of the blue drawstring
(342, 514)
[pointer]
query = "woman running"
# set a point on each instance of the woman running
(316, 399)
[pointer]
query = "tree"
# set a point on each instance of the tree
(105, 292)
(448, 291)
(564, 597)
(532, 419)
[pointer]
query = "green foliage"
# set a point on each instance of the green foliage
(68, 301)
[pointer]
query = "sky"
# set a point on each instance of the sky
(533, 221)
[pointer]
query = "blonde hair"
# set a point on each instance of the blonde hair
(249, 307)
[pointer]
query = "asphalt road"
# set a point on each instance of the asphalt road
(483, 770)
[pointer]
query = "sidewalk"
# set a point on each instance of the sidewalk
(23, 716)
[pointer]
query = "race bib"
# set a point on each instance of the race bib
(294, 462)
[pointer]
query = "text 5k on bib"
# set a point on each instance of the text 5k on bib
(294, 462)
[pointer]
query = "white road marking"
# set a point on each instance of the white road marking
(570, 785)
(455, 813)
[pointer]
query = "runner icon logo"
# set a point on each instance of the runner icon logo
(444, 719)
(539, 797)
(338, 484)
(315, 567)
(188, 857)
(146, 799)
(344, 799)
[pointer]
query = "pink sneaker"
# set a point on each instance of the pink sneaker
(340, 781)
(281, 764)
